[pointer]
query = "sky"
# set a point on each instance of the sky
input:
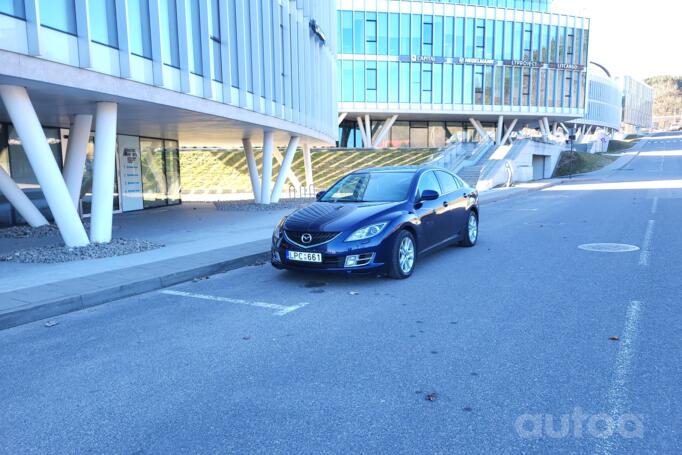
(639, 38)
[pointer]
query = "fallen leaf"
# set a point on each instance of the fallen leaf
(354, 293)
(246, 338)
(51, 323)
(431, 396)
(614, 338)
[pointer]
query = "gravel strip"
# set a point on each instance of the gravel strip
(25, 231)
(250, 206)
(60, 253)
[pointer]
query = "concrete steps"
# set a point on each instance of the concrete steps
(471, 174)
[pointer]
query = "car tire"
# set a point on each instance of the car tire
(403, 256)
(470, 230)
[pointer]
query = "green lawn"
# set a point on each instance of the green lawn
(581, 162)
(619, 146)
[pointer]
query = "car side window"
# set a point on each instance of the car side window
(447, 182)
(428, 181)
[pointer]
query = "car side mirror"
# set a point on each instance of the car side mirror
(319, 195)
(429, 195)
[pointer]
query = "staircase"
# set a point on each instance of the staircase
(471, 173)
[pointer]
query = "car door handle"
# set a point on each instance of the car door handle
(445, 203)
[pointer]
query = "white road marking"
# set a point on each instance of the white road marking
(618, 393)
(654, 205)
(646, 245)
(281, 310)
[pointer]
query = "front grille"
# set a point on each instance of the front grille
(316, 238)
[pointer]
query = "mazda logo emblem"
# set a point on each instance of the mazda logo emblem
(306, 238)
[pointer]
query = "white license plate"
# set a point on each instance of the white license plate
(304, 257)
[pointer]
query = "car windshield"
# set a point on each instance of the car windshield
(370, 187)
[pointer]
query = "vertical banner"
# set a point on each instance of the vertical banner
(130, 172)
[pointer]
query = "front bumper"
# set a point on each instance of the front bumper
(334, 254)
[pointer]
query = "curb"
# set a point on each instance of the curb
(24, 312)
(521, 192)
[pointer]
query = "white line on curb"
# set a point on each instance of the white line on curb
(618, 394)
(654, 205)
(645, 253)
(281, 309)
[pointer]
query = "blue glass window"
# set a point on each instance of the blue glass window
(570, 44)
(536, 42)
(59, 15)
(544, 40)
(449, 40)
(458, 85)
(404, 82)
(489, 38)
(507, 86)
(468, 84)
(427, 82)
(404, 34)
(508, 40)
(103, 28)
(215, 37)
(499, 35)
(394, 34)
(517, 46)
(382, 82)
(469, 38)
(488, 84)
(13, 8)
(371, 33)
(169, 33)
(138, 27)
(371, 81)
(437, 88)
(427, 30)
(359, 80)
(459, 37)
(498, 88)
(416, 34)
(562, 45)
(194, 46)
(478, 84)
(527, 41)
(347, 78)
(415, 83)
(359, 32)
(393, 82)
(447, 83)
(248, 52)
(347, 31)
(382, 27)
(586, 36)
(438, 36)
(234, 62)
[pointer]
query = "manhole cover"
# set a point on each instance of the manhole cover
(608, 247)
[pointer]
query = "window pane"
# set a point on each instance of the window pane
(469, 39)
(138, 26)
(359, 32)
(154, 186)
(382, 25)
(169, 33)
(437, 88)
(415, 83)
(103, 22)
(438, 36)
(447, 83)
(172, 172)
(449, 42)
(194, 46)
(347, 80)
(382, 82)
(393, 85)
(416, 34)
(404, 34)
(371, 33)
(58, 14)
(404, 82)
(13, 8)
(394, 34)
(359, 81)
(234, 59)
(459, 37)
(347, 31)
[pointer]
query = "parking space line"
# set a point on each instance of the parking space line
(654, 205)
(645, 252)
(281, 310)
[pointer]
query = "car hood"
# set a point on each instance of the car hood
(338, 216)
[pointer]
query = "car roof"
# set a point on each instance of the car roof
(410, 169)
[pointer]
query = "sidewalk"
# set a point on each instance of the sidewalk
(198, 241)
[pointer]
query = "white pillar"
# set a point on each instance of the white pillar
(20, 201)
(267, 167)
(388, 124)
(103, 173)
(365, 142)
(510, 130)
(284, 169)
(253, 169)
(541, 123)
(44, 166)
(547, 128)
(76, 152)
(308, 162)
(368, 131)
(498, 132)
(290, 175)
(342, 116)
(479, 128)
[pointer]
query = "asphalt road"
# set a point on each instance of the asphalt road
(510, 340)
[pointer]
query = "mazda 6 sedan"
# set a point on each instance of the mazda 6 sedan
(378, 221)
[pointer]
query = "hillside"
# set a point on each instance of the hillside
(667, 94)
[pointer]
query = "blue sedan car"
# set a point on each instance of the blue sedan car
(378, 221)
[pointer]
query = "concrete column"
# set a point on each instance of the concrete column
(479, 129)
(253, 169)
(284, 169)
(342, 116)
(547, 128)
(277, 155)
(103, 173)
(542, 128)
(368, 131)
(76, 152)
(44, 166)
(308, 162)
(267, 167)
(361, 125)
(498, 131)
(556, 128)
(381, 133)
(510, 130)
(20, 201)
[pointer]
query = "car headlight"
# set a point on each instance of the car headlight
(366, 232)
(277, 233)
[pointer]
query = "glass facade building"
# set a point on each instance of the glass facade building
(638, 101)
(447, 61)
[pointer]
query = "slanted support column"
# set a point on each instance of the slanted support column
(342, 116)
(556, 128)
(44, 166)
(308, 162)
(76, 152)
(510, 130)
(542, 129)
(290, 175)
(368, 132)
(548, 130)
(103, 173)
(20, 201)
(498, 131)
(267, 167)
(253, 169)
(385, 128)
(284, 168)
(361, 125)
(479, 129)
